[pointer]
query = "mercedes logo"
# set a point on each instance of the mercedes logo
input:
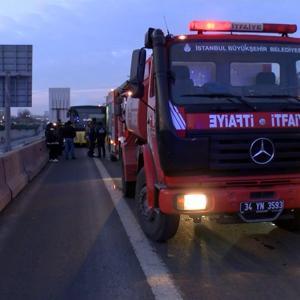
(262, 121)
(262, 151)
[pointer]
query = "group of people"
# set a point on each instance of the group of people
(96, 135)
(60, 137)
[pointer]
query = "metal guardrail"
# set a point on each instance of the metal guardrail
(19, 143)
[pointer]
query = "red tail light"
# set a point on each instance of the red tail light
(210, 26)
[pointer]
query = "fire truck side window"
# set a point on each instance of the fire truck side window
(250, 74)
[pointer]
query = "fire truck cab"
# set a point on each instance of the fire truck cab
(213, 126)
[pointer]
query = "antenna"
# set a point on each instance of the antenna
(166, 24)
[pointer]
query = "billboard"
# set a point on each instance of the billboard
(59, 103)
(16, 68)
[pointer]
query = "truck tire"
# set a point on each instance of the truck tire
(291, 224)
(128, 187)
(156, 225)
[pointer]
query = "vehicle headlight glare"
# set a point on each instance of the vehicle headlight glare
(192, 202)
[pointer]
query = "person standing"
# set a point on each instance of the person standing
(52, 142)
(60, 129)
(92, 138)
(69, 134)
(100, 135)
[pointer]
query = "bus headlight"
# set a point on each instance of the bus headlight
(192, 202)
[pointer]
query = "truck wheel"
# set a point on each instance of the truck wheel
(290, 225)
(156, 225)
(128, 187)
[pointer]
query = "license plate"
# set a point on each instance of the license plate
(261, 206)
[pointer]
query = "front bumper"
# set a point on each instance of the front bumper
(228, 200)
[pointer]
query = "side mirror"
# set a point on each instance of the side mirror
(137, 89)
(118, 106)
(148, 38)
(118, 110)
(137, 71)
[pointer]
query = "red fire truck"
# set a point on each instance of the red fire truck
(113, 124)
(212, 126)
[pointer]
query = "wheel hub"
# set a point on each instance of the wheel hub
(148, 213)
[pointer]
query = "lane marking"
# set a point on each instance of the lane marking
(156, 272)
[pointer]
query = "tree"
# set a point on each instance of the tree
(24, 114)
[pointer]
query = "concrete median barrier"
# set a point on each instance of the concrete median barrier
(34, 157)
(41, 154)
(15, 175)
(5, 193)
(18, 167)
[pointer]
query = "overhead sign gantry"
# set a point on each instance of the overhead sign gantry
(15, 81)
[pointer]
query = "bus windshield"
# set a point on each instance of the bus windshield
(201, 70)
(81, 115)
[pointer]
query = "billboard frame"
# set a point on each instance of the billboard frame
(15, 65)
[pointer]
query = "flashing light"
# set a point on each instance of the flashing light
(182, 37)
(112, 90)
(192, 202)
(129, 93)
(202, 26)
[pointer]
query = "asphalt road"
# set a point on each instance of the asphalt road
(62, 238)
(240, 261)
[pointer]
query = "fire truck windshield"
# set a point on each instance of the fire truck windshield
(205, 70)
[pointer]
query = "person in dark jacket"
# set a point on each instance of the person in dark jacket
(60, 130)
(100, 135)
(92, 138)
(52, 142)
(69, 134)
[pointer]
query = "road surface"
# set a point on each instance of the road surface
(64, 238)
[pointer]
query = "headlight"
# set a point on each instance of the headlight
(192, 202)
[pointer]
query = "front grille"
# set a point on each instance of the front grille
(231, 153)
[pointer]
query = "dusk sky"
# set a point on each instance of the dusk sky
(86, 44)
